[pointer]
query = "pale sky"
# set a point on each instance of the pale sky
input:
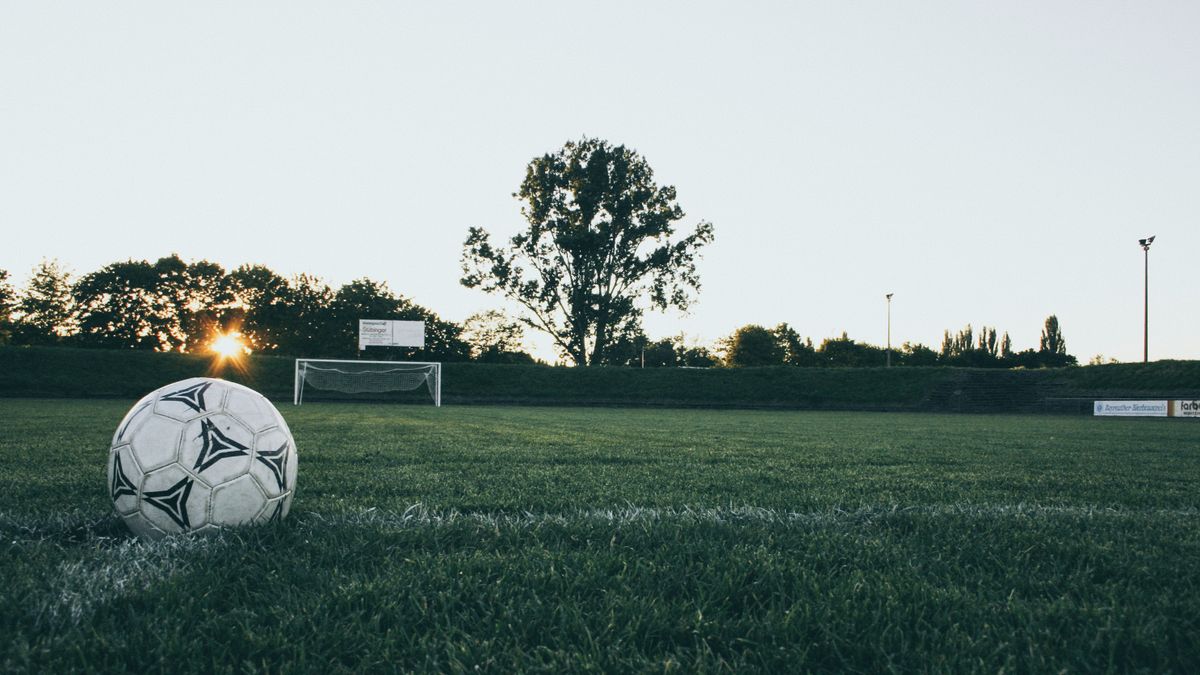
(989, 163)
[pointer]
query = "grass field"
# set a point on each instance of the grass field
(525, 539)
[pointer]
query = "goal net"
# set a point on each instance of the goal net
(367, 377)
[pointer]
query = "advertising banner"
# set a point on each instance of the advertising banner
(1131, 408)
(1185, 408)
(386, 333)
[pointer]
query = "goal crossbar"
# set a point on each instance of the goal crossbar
(353, 376)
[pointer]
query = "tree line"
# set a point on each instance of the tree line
(176, 306)
(755, 345)
(173, 305)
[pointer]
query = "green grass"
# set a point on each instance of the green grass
(524, 539)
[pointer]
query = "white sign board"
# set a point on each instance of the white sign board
(1131, 408)
(385, 333)
(1185, 408)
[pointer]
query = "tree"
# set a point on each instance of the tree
(305, 324)
(752, 345)
(45, 309)
(1052, 348)
(845, 352)
(598, 239)
(495, 338)
(988, 343)
(1052, 341)
(167, 305)
(205, 304)
(695, 356)
(1006, 351)
(258, 306)
(794, 350)
(118, 307)
(917, 354)
(8, 301)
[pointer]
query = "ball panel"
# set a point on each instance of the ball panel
(155, 442)
(238, 501)
(173, 500)
(139, 410)
(216, 448)
(273, 512)
(123, 477)
(186, 400)
(272, 451)
(252, 409)
(289, 479)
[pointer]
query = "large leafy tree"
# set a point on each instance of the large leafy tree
(122, 306)
(597, 250)
(167, 305)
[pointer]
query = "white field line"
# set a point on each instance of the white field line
(129, 566)
(110, 566)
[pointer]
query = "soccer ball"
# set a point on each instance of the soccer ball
(200, 455)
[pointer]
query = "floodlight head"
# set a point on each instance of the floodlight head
(1146, 242)
(889, 296)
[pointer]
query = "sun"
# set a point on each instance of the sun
(229, 345)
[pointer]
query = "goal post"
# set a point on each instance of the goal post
(367, 377)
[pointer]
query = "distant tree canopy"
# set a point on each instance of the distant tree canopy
(755, 345)
(172, 305)
(596, 251)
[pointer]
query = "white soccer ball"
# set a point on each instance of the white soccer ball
(200, 455)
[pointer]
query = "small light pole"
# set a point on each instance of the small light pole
(889, 332)
(1146, 306)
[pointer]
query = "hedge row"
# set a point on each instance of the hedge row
(72, 373)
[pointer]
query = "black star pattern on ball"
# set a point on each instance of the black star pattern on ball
(121, 485)
(275, 460)
(192, 397)
(173, 501)
(217, 446)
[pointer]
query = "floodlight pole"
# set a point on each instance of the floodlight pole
(1146, 301)
(889, 329)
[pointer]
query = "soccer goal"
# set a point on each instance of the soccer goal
(367, 377)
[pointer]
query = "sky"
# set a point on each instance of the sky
(988, 163)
